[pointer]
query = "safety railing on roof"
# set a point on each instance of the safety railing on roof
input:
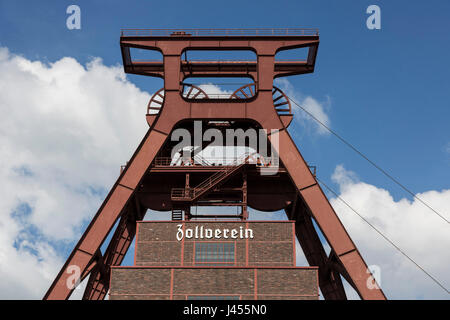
(210, 161)
(220, 32)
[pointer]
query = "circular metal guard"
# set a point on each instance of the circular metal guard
(281, 102)
(245, 92)
(189, 91)
(156, 102)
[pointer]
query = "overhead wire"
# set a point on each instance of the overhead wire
(370, 161)
(384, 236)
(390, 177)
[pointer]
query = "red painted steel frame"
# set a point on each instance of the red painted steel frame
(310, 204)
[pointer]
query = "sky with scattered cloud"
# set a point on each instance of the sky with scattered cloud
(61, 149)
(72, 117)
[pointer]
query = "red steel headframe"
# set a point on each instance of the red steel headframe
(310, 203)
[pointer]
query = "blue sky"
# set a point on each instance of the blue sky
(389, 88)
(386, 91)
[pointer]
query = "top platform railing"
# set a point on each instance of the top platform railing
(267, 32)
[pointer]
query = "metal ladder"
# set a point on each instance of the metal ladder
(177, 214)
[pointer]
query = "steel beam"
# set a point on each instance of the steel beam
(329, 280)
(98, 283)
(345, 258)
(326, 218)
(85, 252)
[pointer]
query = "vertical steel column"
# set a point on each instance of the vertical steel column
(329, 280)
(244, 196)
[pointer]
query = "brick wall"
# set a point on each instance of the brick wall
(245, 283)
(272, 243)
(263, 266)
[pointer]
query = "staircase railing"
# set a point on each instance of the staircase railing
(193, 193)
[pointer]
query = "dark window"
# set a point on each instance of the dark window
(212, 253)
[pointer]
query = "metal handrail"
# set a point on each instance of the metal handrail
(227, 61)
(205, 161)
(218, 175)
(199, 189)
(179, 193)
(211, 180)
(220, 32)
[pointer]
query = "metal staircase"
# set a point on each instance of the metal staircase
(192, 194)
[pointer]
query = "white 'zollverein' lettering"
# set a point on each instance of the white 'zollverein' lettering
(208, 233)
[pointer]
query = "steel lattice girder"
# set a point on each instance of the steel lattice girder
(345, 258)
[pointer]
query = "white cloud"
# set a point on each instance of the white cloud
(409, 224)
(214, 90)
(310, 104)
(447, 148)
(66, 128)
(64, 131)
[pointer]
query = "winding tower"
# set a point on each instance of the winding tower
(158, 178)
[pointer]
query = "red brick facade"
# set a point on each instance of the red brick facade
(259, 264)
